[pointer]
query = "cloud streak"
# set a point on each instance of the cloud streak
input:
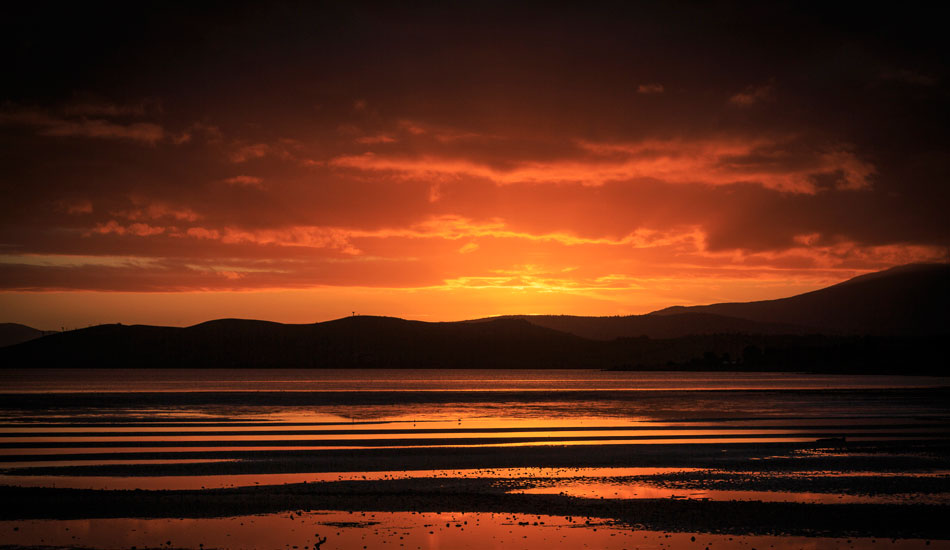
(48, 124)
(753, 95)
(773, 164)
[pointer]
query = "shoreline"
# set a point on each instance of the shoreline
(294, 398)
(479, 495)
(881, 456)
(485, 494)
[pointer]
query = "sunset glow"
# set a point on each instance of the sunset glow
(302, 164)
(346, 275)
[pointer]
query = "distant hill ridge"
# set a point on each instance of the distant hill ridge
(362, 341)
(909, 299)
(655, 326)
(875, 323)
(14, 333)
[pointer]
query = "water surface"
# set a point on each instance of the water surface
(213, 429)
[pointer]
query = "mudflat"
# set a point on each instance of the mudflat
(847, 459)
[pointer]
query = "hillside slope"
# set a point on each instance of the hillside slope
(656, 326)
(14, 333)
(906, 300)
(351, 342)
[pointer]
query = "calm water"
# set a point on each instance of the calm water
(138, 415)
(202, 429)
(358, 380)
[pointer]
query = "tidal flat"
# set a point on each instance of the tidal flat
(607, 460)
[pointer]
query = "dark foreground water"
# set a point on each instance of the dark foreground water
(492, 444)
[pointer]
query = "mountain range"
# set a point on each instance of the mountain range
(872, 321)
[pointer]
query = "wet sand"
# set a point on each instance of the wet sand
(776, 459)
(420, 531)
(776, 468)
(879, 456)
(479, 495)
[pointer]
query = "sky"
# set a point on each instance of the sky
(299, 162)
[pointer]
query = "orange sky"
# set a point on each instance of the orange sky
(298, 163)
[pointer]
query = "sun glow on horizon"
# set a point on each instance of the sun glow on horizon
(299, 166)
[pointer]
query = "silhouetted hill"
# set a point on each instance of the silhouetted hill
(907, 300)
(380, 342)
(369, 342)
(14, 333)
(893, 321)
(655, 326)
